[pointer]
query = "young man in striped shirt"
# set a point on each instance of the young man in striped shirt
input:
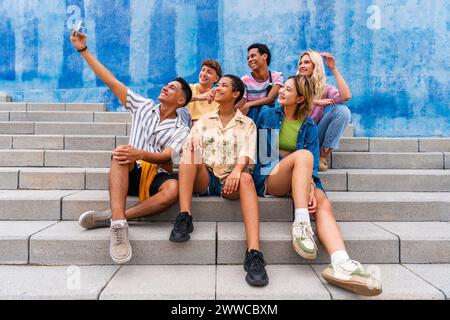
(157, 134)
(261, 84)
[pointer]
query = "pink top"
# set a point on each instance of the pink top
(331, 92)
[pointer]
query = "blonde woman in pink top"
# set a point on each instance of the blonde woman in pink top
(331, 124)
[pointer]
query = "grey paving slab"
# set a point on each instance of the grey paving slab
(384, 160)
(276, 243)
(31, 204)
(80, 128)
(97, 179)
(399, 180)
(38, 106)
(390, 206)
(21, 158)
(438, 275)
(398, 284)
(9, 178)
(47, 142)
(90, 142)
(434, 144)
(4, 115)
(67, 243)
(77, 158)
(5, 142)
(94, 107)
(13, 106)
(47, 116)
(123, 117)
(52, 178)
(421, 242)
(164, 282)
(286, 282)
(54, 283)
(353, 145)
(334, 180)
(16, 127)
(393, 144)
(122, 140)
(14, 237)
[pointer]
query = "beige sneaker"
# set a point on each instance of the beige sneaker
(120, 248)
(323, 164)
(95, 219)
(351, 276)
(303, 241)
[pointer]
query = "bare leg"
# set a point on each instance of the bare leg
(192, 177)
(118, 189)
(249, 207)
(327, 229)
(294, 173)
(166, 196)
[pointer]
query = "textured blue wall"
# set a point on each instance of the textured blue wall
(394, 54)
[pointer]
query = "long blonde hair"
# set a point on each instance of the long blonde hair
(304, 88)
(318, 77)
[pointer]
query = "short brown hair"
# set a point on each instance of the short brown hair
(213, 64)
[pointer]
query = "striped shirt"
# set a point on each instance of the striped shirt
(147, 132)
(331, 92)
(255, 89)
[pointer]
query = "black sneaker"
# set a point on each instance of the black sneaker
(254, 264)
(182, 227)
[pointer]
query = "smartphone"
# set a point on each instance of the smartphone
(79, 28)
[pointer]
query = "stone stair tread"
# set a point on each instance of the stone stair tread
(168, 282)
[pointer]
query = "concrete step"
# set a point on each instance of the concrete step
(55, 158)
(419, 242)
(31, 204)
(361, 144)
(67, 116)
(66, 243)
(358, 180)
(53, 107)
(347, 206)
(168, 282)
(105, 142)
(64, 128)
(61, 142)
(81, 128)
(385, 160)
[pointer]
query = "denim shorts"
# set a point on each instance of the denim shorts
(214, 187)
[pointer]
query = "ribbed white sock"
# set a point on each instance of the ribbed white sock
(121, 222)
(302, 215)
(339, 256)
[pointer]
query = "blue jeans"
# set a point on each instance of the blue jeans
(332, 126)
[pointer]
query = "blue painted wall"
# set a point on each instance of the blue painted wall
(394, 54)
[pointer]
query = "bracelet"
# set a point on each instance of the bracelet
(81, 50)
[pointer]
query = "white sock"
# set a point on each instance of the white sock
(121, 222)
(302, 215)
(339, 256)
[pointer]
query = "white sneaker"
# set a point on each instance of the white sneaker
(120, 248)
(351, 276)
(303, 241)
(95, 219)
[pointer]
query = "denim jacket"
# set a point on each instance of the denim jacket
(272, 118)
